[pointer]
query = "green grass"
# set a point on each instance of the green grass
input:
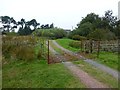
(97, 74)
(37, 74)
(107, 58)
(65, 43)
(55, 47)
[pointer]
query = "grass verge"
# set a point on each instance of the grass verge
(37, 74)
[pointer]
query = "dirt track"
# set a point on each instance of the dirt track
(104, 68)
(88, 80)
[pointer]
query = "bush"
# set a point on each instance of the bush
(24, 53)
(78, 37)
(51, 33)
(39, 55)
(75, 44)
(21, 48)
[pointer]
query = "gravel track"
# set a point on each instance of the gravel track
(89, 81)
(102, 67)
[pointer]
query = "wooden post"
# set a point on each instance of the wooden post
(48, 53)
(98, 49)
(81, 45)
(91, 44)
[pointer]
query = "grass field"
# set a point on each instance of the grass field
(37, 74)
(65, 44)
(108, 58)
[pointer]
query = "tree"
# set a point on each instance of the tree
(91, 18)
(52, 25)
(6, 23)
(25, 27)
(33, 23)
(14, 24)
(22, 22)
(85, 29)
(109, 20)
(42, 26)
(46, 26)
(117, 29)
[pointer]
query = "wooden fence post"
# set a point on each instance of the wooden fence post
(98, 52)
(81, 45)
(91, 46)
(48, 53)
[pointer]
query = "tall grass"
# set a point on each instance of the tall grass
(19, 48)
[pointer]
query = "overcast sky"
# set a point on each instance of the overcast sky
(63, 13)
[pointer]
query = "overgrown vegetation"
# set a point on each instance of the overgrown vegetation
(20, 48)
(53, 33)
(75, 44)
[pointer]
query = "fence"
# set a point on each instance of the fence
(93, 46)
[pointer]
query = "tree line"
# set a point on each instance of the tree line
(9, 24)
(92, 27)
(95, 27)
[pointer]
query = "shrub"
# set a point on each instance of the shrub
(19, 48)
(25, 53)
(39, 55)
(75, 44)
(78, 37)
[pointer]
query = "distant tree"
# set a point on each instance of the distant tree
(52, 25)
(91, 18)
(27, 30)
(6, 20)
(92, 22)
(85, 29)
(22, 22)
(117, 29)
(25, 27)
(51, 33)
(109, 20)
(46, 26)
(14, 24)
(42, 26)
(33, 23)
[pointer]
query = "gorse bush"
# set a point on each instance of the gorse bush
(20, 48)
(75, 44)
